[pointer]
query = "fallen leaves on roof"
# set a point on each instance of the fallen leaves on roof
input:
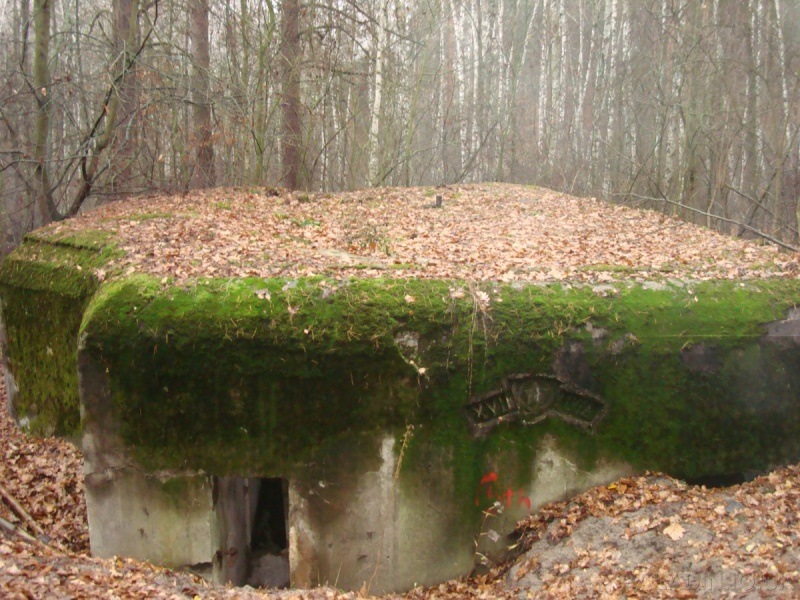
(482, 232)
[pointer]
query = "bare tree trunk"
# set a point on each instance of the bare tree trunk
(375, 122)
(291, 151)
(449, 92)
(126, 15)
(41, 83)
(23, 34)
(691, 113)
(204, 175)
(262, 113)
(749, 186)
(783, 121)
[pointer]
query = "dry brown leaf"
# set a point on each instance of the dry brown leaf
(674, 531)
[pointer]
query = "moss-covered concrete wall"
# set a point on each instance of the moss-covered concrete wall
(253, 376)
(238, 375)
(45, 286)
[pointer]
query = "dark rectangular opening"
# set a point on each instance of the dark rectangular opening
(269, 540)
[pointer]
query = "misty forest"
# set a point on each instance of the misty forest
(683, 106)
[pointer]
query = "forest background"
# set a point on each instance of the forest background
(691, 107)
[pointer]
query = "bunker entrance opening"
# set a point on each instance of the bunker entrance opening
(269, 540)
(269, 534)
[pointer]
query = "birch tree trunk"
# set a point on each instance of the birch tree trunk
(379, 40)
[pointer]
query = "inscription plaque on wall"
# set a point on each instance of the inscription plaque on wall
(531, 398)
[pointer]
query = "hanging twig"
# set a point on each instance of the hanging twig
(20, 511)
(752, 230)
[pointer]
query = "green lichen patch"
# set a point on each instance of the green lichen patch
(147, 216)
(253, 375)
(44, 286)
(96, 241)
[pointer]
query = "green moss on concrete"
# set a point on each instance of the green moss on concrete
(722, 312)
(281, 374)
(737, 421)
(96, 241)
(252, 375)
(45, 285)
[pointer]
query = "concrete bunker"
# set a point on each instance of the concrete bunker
(390, 459)
(309, 430)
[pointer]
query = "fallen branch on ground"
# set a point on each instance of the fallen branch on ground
(14, 530)
(18, 510)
